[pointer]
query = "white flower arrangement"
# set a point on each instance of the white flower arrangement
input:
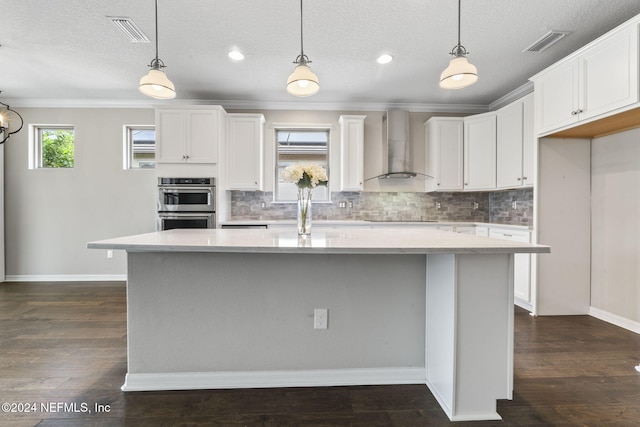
(305, 175)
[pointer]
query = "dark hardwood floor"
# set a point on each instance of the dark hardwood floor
(63, 351)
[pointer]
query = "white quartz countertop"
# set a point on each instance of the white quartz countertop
(344, 240)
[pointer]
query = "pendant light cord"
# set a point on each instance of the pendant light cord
(459, 50)
(458, 22)
(157, 63)
(301, 34)
(157, 29)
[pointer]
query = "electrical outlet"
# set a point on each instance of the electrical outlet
(320, 318)
(109, 253)
(438, 205)
(514, 205)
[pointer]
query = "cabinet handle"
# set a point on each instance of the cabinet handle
(524, 177)
(519, 179)
(438, 183)
(184, 157)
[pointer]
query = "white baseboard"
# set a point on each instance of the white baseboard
(66, 278)
(523, 304)
(445, 405)
(272, 379)
(623, 322)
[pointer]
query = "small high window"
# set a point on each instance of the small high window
(301, 146)
(139, 147)
(52, 147)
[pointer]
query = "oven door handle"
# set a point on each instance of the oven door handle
(185, 189)
(184, 215)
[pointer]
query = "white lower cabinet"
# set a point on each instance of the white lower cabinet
(465, 229)
(482, 231)
(522, 265)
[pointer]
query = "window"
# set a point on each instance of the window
(140, 147)
(304, 146)
(52, 147)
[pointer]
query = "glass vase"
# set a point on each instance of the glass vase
(304, 212)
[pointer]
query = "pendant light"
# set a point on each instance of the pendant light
(460, 73)
(303, 82)
(9, 120)
(156, 84)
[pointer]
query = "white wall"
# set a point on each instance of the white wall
(51, 214)
(615, 227)
(563, 222)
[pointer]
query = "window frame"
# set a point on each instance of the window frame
(301, 127)
(35, 144)
(128, 147)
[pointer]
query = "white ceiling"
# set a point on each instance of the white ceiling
(61, 52)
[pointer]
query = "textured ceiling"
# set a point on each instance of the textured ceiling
(57, 52)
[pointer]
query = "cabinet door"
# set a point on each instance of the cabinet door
(245, 150)
(509, 145)
(609, 72)
(480, 152)
(171, 135)
(521, 263)
(351, 153)
(445, 142)
(528, 142)
(202, 141)
(556, 97)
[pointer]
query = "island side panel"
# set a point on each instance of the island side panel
(230, 312)
(470, 316)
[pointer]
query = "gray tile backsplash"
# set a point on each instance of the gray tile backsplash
(391, 206)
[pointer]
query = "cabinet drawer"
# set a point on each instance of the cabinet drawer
(513, 235)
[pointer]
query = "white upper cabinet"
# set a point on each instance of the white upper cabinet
(445, 142)
(188, 135)
(514, 144)
(480, 152)
(592, 83)
(245, 152)
(351, 153)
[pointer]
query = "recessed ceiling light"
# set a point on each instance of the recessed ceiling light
(384, 59)
(236, 55)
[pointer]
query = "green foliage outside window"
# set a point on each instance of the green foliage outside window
(57, 148)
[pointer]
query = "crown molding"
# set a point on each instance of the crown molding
(514, 95)
(247, 105)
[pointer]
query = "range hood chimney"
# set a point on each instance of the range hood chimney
(395, 128)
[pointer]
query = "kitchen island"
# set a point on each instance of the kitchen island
(235, 308)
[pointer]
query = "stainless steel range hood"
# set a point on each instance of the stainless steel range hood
(396, 143)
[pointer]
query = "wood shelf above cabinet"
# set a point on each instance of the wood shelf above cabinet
(607, 126)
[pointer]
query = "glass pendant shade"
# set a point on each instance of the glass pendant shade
(460, 73)
(303, 82)
(157, 85)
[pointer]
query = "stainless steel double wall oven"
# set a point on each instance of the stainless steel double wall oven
(186, 203)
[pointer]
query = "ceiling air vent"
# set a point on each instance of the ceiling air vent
(547, 40)
(129, 29)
